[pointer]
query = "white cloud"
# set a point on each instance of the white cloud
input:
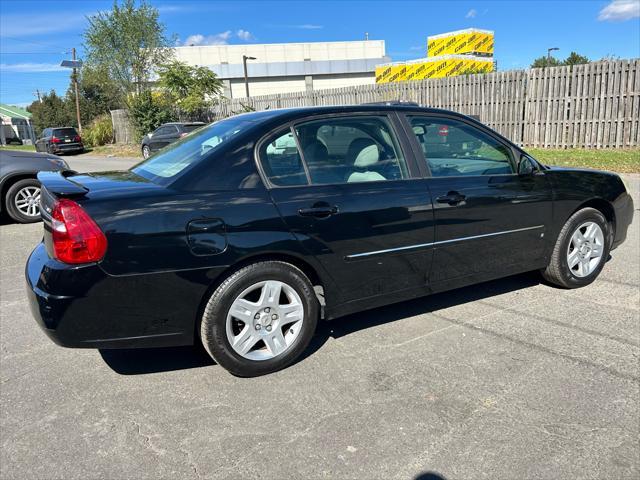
(244, 35)
(221, 38)
(31, 67)
(473, 13)
(620, 10)
(198, 39)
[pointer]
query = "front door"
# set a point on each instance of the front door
(344, 186)
(489, 220)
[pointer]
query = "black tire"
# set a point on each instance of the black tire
(9, 200)
(558, 271)
(213, 323)
(146, 151)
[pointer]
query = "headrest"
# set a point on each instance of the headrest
(316, 152)
(368, 156)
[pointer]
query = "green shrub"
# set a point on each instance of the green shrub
(148, 111)
(99, 132)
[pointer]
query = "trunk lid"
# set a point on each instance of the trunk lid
(88, 189)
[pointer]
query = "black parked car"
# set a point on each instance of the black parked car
(19, 187)
(166, 134)
(60, 140)
(243, 234)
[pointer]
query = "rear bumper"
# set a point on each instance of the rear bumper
(66, 147)
(623, 208)
(83, 307)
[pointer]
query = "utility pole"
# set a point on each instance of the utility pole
(246, 79)
(75, 85)
(37, 94)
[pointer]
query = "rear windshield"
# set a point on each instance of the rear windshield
(168, 163)
(65, 132)
(190, 127)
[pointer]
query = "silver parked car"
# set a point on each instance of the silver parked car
(19, 187)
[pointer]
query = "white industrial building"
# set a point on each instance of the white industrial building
(288, 67)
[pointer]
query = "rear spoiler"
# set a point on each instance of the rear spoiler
(58, 184)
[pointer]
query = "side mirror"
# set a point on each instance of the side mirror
(525, 166)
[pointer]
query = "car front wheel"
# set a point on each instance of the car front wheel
(23, 201)
(146, 152)
(260, 319)
(581, 250)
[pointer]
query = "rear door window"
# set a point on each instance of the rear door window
(351, 149)
(191, 127)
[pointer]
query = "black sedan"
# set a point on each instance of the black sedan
(245, 233)
(19, 187)
(166, 134)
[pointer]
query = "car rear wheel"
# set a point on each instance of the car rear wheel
(581, 250)
(23, 201)
(260, 319)
(146, 153)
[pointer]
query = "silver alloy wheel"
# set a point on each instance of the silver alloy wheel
(146, 153)
(585, 249)
(27, 201)
(265, 320)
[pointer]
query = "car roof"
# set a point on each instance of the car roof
(291, 113)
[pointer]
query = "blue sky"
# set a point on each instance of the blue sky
(35, 35)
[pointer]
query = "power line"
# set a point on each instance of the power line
(32, 53)
(35, 43)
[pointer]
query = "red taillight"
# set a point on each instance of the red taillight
(77, 139)
(75, 236)
(55, 140)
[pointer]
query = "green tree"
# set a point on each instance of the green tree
(192, 89)
(148, 111)
(545, 61)
(128, 42)
(575, 59)
(51, 111)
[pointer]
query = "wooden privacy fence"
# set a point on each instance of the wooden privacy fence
(596, 105)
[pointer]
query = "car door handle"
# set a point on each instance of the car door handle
(319, 212)
(452, 198)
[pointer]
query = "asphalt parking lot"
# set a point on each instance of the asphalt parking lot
(508, 379)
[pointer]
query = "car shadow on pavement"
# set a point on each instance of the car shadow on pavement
(138, 361)
(155, 360)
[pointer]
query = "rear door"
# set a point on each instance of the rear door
(162, 137)
(488, 219)
(347, 189)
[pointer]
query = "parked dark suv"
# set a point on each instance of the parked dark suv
(244, 233)
(59, 140)
(166, 134)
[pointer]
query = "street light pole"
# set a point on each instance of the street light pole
(549, 50)
(246, 79)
